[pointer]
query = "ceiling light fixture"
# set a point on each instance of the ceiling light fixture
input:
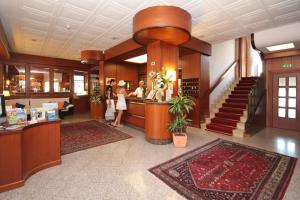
(138, 59)
(281, 47)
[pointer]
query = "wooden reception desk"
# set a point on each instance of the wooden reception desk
(26, 151)
(153, 117)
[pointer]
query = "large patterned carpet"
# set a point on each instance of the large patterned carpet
(84, 135)
(225, 170)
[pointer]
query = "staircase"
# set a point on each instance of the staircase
(230, 114)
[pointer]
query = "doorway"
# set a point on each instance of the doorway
(286, 101)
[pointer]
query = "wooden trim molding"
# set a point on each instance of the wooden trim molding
(282, 54)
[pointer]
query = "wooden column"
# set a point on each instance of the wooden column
(162, 55)
(101, 78)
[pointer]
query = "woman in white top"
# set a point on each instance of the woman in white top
(139, 92)
(121, 103)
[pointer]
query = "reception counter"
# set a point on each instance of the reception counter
(153, 117)
(27, 150)
(135, 113)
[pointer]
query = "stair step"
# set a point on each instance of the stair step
(243, 87)
(220, 128)
(228, 116)
(235, 105)
(240, 92)
(228, 122)
(236, 100)
(238, 96)
(245, 84)
(247, 81)
(232, 110)
(249, 78)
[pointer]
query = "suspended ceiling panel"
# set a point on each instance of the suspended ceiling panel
(62, 28)
(277, 36)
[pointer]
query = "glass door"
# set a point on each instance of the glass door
(286, 101)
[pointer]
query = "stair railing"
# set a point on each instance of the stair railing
(255, 96)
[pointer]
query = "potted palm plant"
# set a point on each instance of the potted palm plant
(95, 103)
(180, 106)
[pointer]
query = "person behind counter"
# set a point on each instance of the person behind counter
(110, 108)
(121, 103)
(139, 92)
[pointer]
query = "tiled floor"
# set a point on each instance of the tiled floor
(120, 170)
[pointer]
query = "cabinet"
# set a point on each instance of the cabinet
(195, 83)
(190, 87)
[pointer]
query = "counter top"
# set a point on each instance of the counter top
(21, 128)
(142, 101)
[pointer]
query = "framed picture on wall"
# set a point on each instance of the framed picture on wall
(107, 80)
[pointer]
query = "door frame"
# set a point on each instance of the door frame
(270, 91)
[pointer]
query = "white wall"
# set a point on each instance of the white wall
(254, 64)
(223, 54)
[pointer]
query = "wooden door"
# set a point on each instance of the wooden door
(286, 101)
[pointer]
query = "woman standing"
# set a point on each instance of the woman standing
(121, 103)
(110, 106)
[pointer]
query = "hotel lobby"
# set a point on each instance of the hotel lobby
(153, 99)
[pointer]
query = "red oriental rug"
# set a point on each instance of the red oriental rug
(226, 170)
(88, 134)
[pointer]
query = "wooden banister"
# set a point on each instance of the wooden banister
(222, 77)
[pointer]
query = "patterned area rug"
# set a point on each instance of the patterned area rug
(88, 134)
(226, 170)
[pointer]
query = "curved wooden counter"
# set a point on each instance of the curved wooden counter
(157, 119)
(26, 151)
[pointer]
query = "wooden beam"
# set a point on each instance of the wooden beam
(130, 48)
(282, 54)
(4, 53)
(198, 45)
(122, 48)
(41, 60)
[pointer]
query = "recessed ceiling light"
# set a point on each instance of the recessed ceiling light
(281, 47)
(68, 26)
(138, 59)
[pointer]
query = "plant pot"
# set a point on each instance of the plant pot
(180, 140)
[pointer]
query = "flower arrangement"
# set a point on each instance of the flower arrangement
(160, 83)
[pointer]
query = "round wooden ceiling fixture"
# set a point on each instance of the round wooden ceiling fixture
(165, 23)
(91, 56)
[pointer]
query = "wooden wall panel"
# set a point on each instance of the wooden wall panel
(190, 66)
(128, 72)
(196, 65)
(122, 71)
(204, 88)
(81, 104)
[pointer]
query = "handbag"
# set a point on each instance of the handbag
(110, 111)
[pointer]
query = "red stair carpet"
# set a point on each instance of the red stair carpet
(225, 121)
(88, 134)
(226, 170)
